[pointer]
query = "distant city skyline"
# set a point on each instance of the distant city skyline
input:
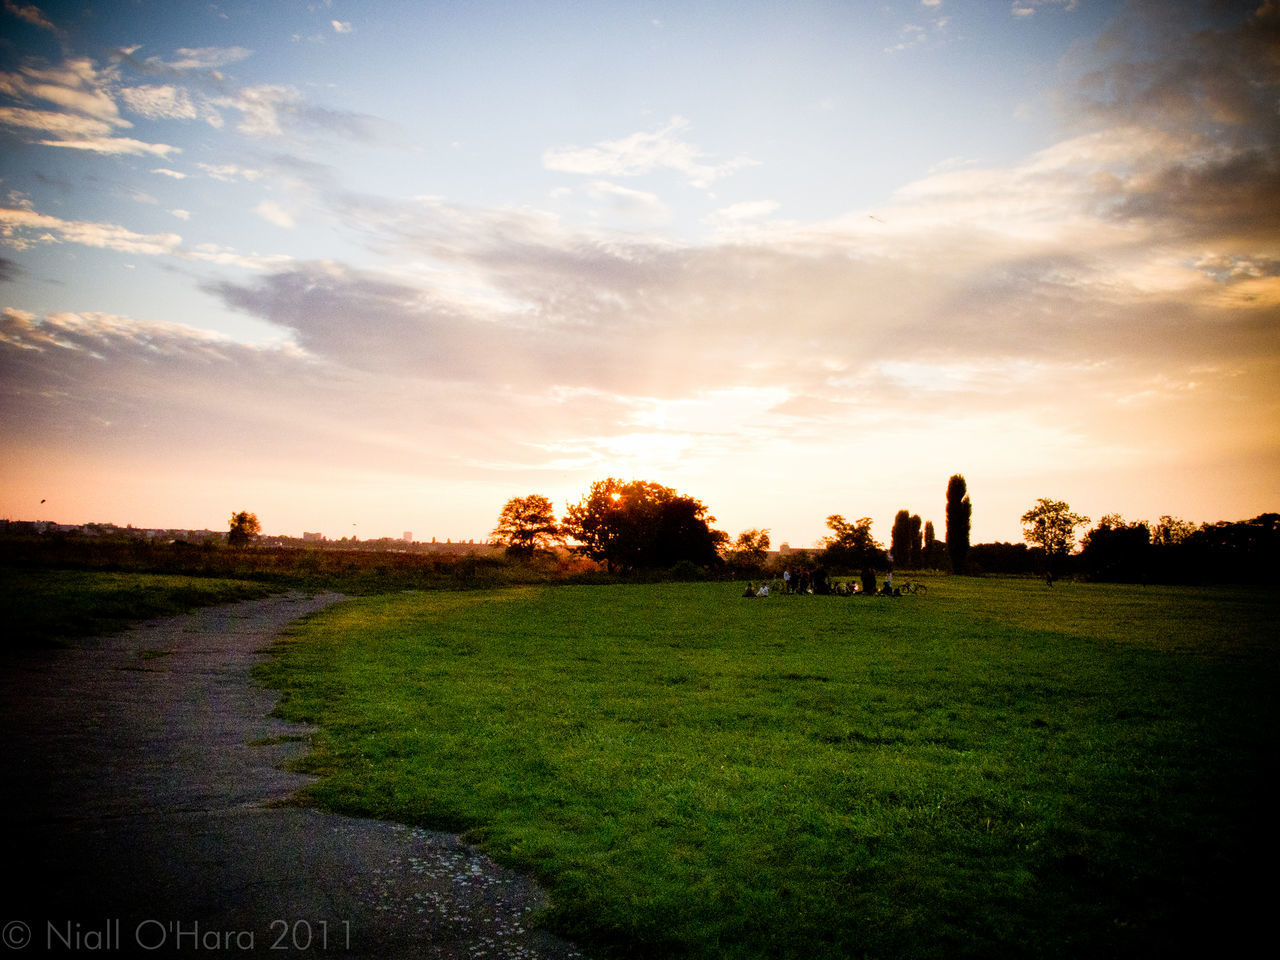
(363, 267)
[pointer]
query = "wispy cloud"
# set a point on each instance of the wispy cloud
(1027, 8)
(160, 103)
(188, 60)
(22, 228)
(31, 14)
(115, 146)
(54, 122)
(88, 115)
(77, 86)
(275, 214)
(229, 172)
(629, 202)
(642, 153)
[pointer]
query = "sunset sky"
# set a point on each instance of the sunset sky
(368, 267)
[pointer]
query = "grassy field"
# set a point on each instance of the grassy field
(46, 607)
(995, 769)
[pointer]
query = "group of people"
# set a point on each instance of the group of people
(816, 582)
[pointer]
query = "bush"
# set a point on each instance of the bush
(687, 571)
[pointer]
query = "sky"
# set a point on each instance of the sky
(371, 267)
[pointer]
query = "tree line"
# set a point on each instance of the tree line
(1170, 550)
(638, 525)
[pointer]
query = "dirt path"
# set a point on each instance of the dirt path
(139, 771)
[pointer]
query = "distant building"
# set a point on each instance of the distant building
(408, 536)
(312, 537)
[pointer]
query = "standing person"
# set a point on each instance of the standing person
(786, 580)
(888, 578)
(868, 582)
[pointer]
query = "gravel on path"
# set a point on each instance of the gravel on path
(142, 781)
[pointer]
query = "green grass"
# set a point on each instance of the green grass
(996, 769)
(47, 607)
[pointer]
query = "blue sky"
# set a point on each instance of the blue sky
(381, 266)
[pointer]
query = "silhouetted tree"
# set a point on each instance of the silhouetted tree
(935, 551)
(1247, 551)
(959, 515)
(641, 525)
(850, 546)
(1051, 525)
(1170, 531)
(916, 560)
(900, 538)
(1004, 558)
(748, 554)
(1117, 551)
(244, 527)
(527, 525)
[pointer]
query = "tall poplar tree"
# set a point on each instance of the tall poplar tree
(959, 513)
(900, 539)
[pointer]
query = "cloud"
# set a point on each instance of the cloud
(915, 35)
(191, 60)
(230, 172)
(1027, 8)
(76, 85)
(22, 228)
(102, 381)
(115, 146)
(160, 103)
(88, 115)
(628, 202)
(267, 421)
(31, 14)
(270, 110)
(747, 210)
(85, 115)
(1207, 99)
(340, 26)
(273, 213)
(50, 121)
(643, 153)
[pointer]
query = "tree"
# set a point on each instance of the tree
(1117, 551)
(1051, 525)
(1170, 531)
(527, 525)
(244, 527)
(749, 552)
(935, 551)
(916, 559)
(642, 525)
(850, 546)
(900, 538)
(959, 514)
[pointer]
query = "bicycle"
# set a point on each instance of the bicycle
(914, 587)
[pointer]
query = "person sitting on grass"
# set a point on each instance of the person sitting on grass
(763, 591)
(750, 591)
